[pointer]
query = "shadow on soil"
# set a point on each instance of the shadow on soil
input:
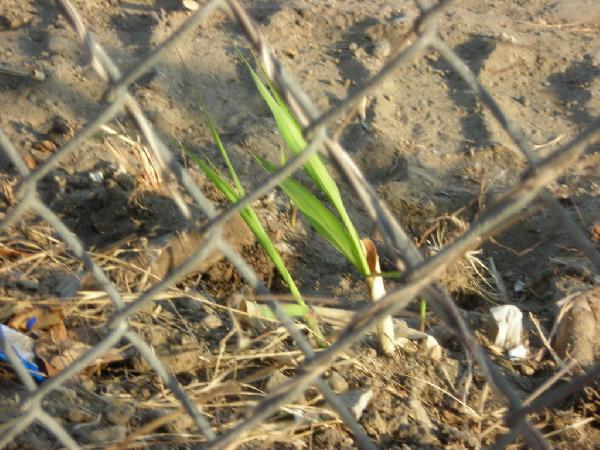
(473, 52)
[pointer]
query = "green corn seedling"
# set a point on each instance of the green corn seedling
(233, 192)
(333, 223)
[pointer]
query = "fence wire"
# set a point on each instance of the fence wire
(420, 276)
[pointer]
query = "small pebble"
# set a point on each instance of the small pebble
(337, 382)
(119, 414)
(60, 126)
(275, 380)
(374, 423)
(77, 415)
(88, 384)
(114, 434)
(212, 322)
(524, 100)
(382, 49)
(400, 19)
(526, 369)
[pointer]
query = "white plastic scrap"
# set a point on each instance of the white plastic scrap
(509, 320)
(517, 353)
(96, 176)
(191, 5)
(356, 401)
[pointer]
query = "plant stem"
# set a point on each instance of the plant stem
(385, 328)
(423, 315)
(293, 215)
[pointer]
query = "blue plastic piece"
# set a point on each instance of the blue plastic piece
(23, 347)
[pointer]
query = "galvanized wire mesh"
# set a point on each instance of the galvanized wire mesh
(420, 276)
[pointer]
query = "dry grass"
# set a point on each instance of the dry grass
(7, 187)
(469, 274)
(135, 158)
(146, 166)
(233, 364)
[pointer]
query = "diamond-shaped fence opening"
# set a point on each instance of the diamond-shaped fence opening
(227, 408)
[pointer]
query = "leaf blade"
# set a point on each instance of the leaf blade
(291, 132)
(319, 216)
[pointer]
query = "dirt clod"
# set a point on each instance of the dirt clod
(115, 433)
(578, 334)
(337, 382)
(119, 414)
(172, 250)
(211, 322)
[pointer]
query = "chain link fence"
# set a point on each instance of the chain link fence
(420, 276)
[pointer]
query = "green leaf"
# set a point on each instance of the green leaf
(253, 223)
(233, 193)
(319, 216)
(217, 139)
(264, 311)
(266, 243)
(291, 132)
(216, 178)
